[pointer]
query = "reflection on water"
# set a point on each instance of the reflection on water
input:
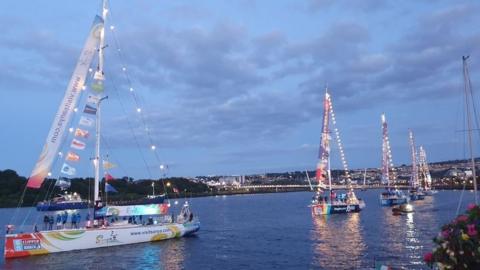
(404, 235)
(172, 255)
(273, 231)
(337, 241)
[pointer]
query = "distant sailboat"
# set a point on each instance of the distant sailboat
(415, 192)
(106, 230)
(325, 200)
(424, 173)
(364, 188)
(391, 196)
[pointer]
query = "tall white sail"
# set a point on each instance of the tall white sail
(64, 113)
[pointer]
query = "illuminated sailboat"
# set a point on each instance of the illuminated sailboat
(392, 195)
(424, 173)
(104, 230)
(325, 200)
(415, 193)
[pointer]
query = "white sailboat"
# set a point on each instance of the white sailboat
(325, 200)
(99, 232)
(392, 195)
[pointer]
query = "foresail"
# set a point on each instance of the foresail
(64, 113)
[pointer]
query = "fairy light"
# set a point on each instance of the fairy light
(49, 174)
(339, 141)
(131, 89)
(139, 110)
(153, 147)
(84, 87)
(90, 70)
(70, 130)
(124, 68)
(60, 154)
(112, 27)
(75, 109)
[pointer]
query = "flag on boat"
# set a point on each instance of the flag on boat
(90, 109)
(71, 156)
(81, 133)
(108, 165)
(93, 99)
(77, 144)
(67, 169)
(97, 86)
(109, 177)
(85, 121)
(109, 188)
(65, 111)
(63, 183)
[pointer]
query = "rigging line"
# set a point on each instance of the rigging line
(470, 91)
(65, 138)
(136, 99)
(135, 138)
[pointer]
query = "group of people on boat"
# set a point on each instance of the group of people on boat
(334, 198)
(61, 220)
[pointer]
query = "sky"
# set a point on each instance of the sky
(236, 87)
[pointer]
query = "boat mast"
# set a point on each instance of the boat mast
(99, 78)
(414, 176)
(323, 166)
(364, 177)
(468, 93)
(385, 153)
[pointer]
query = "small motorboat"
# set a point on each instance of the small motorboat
(401, 209)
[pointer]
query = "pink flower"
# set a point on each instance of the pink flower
(471, 230)
(471, 206)
(462, 218)
(445, 234)
(428, 257)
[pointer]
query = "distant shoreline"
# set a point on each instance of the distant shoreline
(261, 191)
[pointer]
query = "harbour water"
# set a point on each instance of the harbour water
(274, 231)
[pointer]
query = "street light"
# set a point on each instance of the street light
(168, 184)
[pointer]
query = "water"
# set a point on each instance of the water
(273, 231)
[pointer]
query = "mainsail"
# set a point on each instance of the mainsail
(64, 113)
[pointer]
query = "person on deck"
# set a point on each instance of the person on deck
(59, 222)
(74, 221)
(45, 222)
(50, 223)
(78, 219)
(64, 218)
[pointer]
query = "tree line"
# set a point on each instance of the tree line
(12, 186)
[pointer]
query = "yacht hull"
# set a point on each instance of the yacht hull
(45, 242)
(320, 209)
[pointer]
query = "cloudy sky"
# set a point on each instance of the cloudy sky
(236, 87)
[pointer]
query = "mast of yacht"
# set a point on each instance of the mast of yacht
(386, 154)
(364, 177)
(99, 77)
(323, 165)
(414, 176)
(469, 93)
